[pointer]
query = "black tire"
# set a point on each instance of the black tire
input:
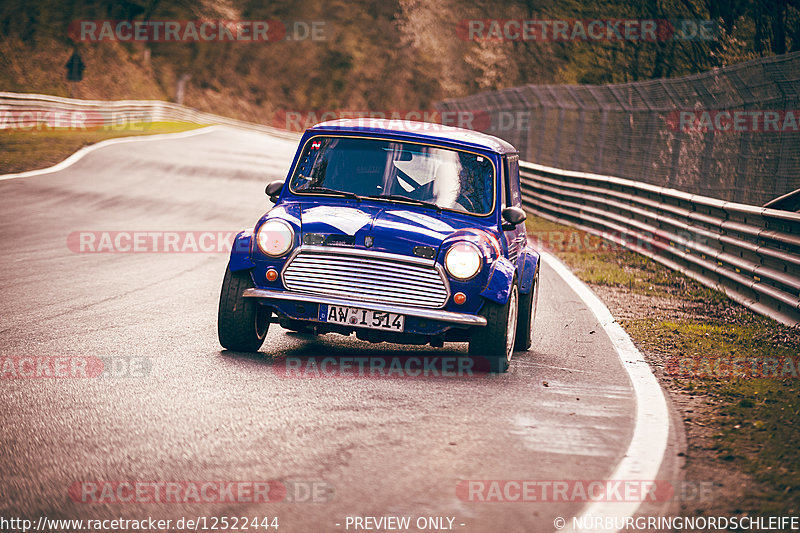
(495, 341)
(527, 314)
(242, 323)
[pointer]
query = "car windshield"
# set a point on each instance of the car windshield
(450, 179)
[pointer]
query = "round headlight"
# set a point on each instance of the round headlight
(463, 260)
(275, 237)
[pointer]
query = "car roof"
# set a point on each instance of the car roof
(419, 130)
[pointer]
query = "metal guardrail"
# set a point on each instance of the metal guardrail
(28, 111)
(750, 253)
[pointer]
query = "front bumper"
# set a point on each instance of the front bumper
(463, 319)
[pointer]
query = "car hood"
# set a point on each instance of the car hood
(386, 228)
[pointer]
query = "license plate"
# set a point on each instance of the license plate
(361, 318)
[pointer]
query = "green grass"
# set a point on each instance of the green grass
(34, 149)
(755, 420)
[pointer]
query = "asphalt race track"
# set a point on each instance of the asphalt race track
(380, 446)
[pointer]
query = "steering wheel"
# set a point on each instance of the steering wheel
(471, 207)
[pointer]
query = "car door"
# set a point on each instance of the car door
(517, 237)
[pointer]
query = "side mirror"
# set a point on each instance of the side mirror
(513, 216)
(274, 189)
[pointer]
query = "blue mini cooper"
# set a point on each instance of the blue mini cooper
(396, 231)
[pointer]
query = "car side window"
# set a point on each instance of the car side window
(511, 168)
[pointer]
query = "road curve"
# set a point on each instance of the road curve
(385, 446)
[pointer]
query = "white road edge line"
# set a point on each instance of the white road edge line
(77, 156)
(645, 453)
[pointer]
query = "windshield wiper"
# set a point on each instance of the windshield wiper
(343, 194)
(401, 198)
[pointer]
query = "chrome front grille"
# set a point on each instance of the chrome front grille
(367, 276)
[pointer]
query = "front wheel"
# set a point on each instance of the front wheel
(495, 341)
(241, 323)
(527, 314)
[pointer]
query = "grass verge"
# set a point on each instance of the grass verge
(22, 150)
(733, 374)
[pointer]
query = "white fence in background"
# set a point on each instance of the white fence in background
(33, 111)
